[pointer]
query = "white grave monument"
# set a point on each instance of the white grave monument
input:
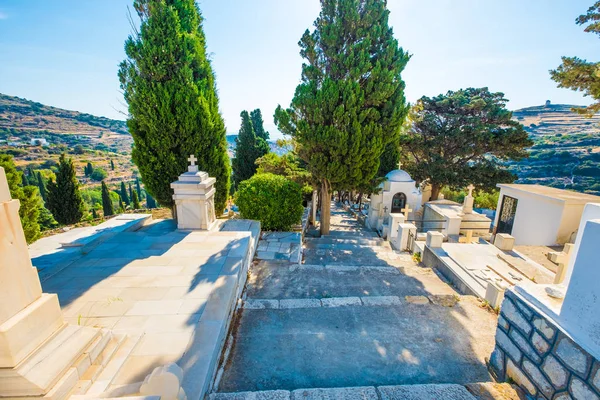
(37, 347)
(398, 191)
(194, 198)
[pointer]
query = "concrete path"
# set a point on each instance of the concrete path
(356, 314)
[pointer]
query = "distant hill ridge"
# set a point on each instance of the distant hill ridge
(19, 115)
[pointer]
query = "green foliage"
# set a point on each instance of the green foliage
(258, 124)
(107, 205)
(88, 169)
(123, 193)
(289, 166)
(271, 199)
(578, 74)
(78, 149)
(350, 103)
(138, 188)
(476, 137)
(248, 149)
(135, 201)
(150, 202)
(98, 174)
(64, 199)
(41, 184)
(170, 88)
(487, 199)
(112, 165)
(46, 220)
(28, 196)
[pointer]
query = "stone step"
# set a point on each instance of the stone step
(381, 247)
(362, 233)
(360, 241)
(99, 363)
(273, 281)
(351, 255)
(57, 364)
(113, 366)
(400, 392)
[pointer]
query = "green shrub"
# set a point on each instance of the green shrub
(273, 200)
(98, 174)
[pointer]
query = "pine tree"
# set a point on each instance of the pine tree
(350, 103)
(248, 148)
(258, 124)
(41, 184)
(169, 86)
(28, 196)
(138, 187)
(150, 202)
(136, 201)
(123, 193)
(112, 165)
(63, 198)
(107, 205)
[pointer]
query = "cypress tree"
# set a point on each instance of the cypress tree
(248, 148)
(150, 202)
(94, 215)
(63, 198)
(121, 206)
(169, 86)
(24, 181)
(136, 201)
(112, 165)
(41, 184)
(258, 125)
(350, 103)
(88, 169)
(28, 196)
(123, 193)
(107, 205)
(130, 192)
(138, 188)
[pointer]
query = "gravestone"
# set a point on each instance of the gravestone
(194, 194)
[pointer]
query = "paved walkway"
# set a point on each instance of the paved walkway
(356, 313)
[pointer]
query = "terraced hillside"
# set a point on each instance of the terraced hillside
(566, 153)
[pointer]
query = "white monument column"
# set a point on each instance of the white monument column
(194, 194)
(468, 202)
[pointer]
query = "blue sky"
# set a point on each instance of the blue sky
(66, 53)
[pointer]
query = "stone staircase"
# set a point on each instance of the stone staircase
(357, 320)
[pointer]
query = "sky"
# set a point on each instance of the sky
(66, 53)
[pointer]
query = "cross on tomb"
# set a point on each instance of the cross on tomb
(385, 209)
(192, 160)
(470, 188)
(406, 210)
(399, 164)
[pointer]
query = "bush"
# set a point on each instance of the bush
(98, 175)
(272, 199)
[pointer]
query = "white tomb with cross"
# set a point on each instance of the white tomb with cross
(398, 191)
(194, 194)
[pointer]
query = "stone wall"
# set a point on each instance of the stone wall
(540, 357)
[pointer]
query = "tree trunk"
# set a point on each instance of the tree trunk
(435, 191)
(360, 201)
(325, 207)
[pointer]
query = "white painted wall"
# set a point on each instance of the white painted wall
(580, 314)
(590, 212)
(537, 220)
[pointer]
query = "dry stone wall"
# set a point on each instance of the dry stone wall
(538, 356)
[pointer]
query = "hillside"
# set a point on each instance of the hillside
(566, 153)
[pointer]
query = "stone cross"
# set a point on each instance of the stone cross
(399, 164)
(406, 210)
(470, 188)
(385, 209)
(192, 167)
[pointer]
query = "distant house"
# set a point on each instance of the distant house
(540, 215)
(38, 142)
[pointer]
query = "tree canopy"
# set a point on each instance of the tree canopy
(582, 75)
(258, 124)
(350, 103)
(64, 199)
(169, 86)
(248, 148)
(462, 138)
